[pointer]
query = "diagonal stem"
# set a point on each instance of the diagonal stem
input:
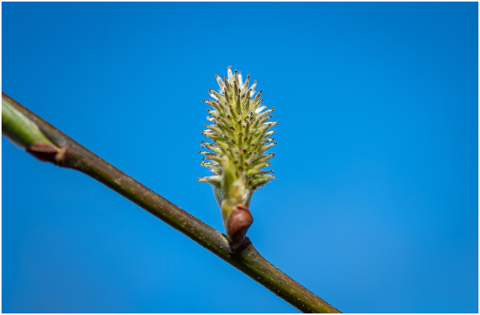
(50, 144)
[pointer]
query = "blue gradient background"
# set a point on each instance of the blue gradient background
(375, 205)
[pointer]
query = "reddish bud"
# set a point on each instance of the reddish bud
(238, 223)
(43, 151)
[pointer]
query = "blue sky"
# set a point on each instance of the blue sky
(375, 204)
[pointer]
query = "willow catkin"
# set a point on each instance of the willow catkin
(240, 134)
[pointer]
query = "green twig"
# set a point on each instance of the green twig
(49, 144)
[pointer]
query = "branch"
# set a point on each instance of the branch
(46, 143)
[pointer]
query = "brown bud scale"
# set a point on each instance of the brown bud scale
(238, 223)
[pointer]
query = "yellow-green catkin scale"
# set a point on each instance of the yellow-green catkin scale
(241, 135)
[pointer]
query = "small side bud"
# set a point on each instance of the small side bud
(43, 151)
(48, 152)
